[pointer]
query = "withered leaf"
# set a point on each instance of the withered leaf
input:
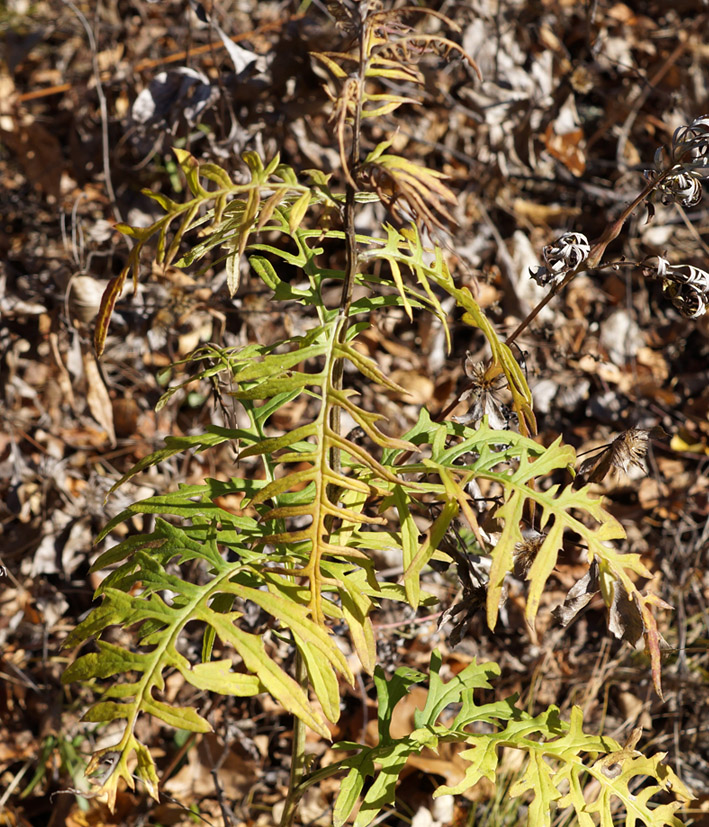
(474, 584)
(654, 642)
(97, 397)
(624, 617)
(629, 616)
(578, 597)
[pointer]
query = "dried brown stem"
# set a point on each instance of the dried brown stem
(598, 248)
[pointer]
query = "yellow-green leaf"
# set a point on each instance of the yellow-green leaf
(298, 210)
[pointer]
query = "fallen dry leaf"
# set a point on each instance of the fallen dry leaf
(97, 397)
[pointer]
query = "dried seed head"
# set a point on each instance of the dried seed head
(561, 256)
(484, 393)
(690, 144)
(689, 301)
(685, 285)
(475, 371)
(688, 162)
(474, 578)
(349, 14)
(681, 187)
(526, 552)
(627, 450)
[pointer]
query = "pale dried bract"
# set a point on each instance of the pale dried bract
(561, 256)
(685, 285)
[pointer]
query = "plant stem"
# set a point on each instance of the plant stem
(532, 315)
(598, 248)
(297, 767)
(349, 217)
(350, 241)
(297, 770)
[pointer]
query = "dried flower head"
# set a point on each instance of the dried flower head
(349, 14)
(484, 393)
(561, 256)
(681, 187)
(525, 553)
(474, 578)
(688, 164)
(685, 285)
(690, 144)
(627, 450)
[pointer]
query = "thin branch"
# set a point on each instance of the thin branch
(593, 261)
(103, 108)
(297, 767)
(352, 257)
(349, 218)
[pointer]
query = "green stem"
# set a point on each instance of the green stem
(297, 767)
(297, 771)
(296, 793)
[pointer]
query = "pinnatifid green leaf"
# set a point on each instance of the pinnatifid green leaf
(560, 756)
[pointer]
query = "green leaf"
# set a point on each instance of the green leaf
(412, 572)
(173, 445)
(440, 694)
(350, 790)
(517, 464)
(108, 661)
(383, 788)
(356, 606)
(265, 271)
(218, 676)
(323, 679)
(183, 717)
(390, 692)
(538, 779)
(277, 682)
(298, 210)
(107, 711)
(560, 756)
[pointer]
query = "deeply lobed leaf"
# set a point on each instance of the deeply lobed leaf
(560, 756)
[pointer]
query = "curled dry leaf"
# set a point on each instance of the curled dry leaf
(97, 397)
(624, 619)
(474, 582)
(578, 596)
(630, 614)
